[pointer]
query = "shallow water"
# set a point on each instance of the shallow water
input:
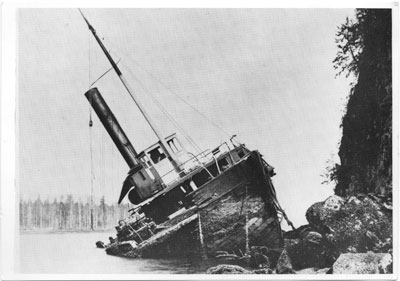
(76, 253)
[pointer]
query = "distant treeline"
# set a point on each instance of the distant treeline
(68, 214)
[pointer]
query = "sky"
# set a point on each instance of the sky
(265, 75)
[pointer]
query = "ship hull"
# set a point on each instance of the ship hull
(231, 213)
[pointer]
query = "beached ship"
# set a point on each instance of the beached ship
(221, 199)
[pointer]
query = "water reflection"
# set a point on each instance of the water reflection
(76, 253)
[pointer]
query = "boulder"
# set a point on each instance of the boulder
(319, 212)
(359, 224)
(314, 237)
(334, 203)
(308, 248)
(284, 264)
(312, 251)
(259, 257)
(363, 263)
(227, 269)
(337, 225)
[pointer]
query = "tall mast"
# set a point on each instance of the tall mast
(171, 156)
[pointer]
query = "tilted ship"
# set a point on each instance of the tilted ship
(218, 200)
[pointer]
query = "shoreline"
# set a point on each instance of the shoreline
(58, 231)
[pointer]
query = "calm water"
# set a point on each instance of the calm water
(76, 253)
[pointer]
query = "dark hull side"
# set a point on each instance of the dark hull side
(231, 213)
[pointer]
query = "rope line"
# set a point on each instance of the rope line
(101, 76)
(91, 176)
(180, 98)
(168, 115)
(269, 183)
(91, 142)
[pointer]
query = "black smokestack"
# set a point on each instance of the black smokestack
(112, 126)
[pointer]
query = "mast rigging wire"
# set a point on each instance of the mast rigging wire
(179, 97)
(115, 67)
(168, 115)
(91, 144)
(101, 76)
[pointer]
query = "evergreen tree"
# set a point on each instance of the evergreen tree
(366, 146)
(69, 214)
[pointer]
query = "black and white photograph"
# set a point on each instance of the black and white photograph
(154, 142)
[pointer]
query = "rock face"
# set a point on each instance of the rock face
(366, 146)
(363, 263)
(357, 224)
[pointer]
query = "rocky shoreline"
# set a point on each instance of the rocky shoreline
(344, 235)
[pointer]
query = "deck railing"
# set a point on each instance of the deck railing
(200, 160)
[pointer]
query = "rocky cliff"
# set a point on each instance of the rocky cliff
(366, 145)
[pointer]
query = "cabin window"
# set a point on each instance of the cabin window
(201, 178)
(157, 155)
(193, 185)
(223, 164)
(174, 145)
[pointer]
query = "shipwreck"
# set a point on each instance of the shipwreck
(221, 199)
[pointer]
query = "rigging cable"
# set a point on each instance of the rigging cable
(91, 145)
(191, 141)
(272, 191)
(180, 98)
(168, 115)
(101, 76)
